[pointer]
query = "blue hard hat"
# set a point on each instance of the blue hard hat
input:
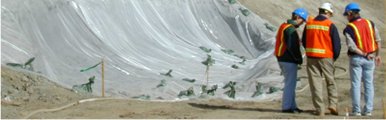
(351, 7)
(301, 12)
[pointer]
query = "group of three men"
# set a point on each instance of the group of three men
(322, 47)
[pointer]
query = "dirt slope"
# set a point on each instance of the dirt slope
(23, 91)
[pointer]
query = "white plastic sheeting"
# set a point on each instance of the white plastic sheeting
(139, 39)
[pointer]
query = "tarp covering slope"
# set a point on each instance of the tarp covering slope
(139, 40)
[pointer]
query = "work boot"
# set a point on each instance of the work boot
(333, 111)
(296, 110)
(355, 114)
(319, 113)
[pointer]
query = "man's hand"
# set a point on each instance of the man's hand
(377, 60)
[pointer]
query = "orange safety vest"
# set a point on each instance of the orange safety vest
(364, 35)
(318, 39)
(280, 46)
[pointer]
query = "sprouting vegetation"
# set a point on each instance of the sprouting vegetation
(273, 90)
(27, 65)
(162, 83)
(168, 74)
(188, 92)
(235, 67)
(259, 90)
(189, 80)
(142, 97)
(243, 58)
(207, 50)
(209, 61)
(227, 51)
(245, 11)
(89, 68)
(84, 88)
(232, 92)
(232, 1)
(270, 27)
(210, 91)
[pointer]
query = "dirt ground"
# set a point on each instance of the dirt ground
(29, 93)
(26, 94)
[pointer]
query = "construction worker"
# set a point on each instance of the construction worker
(363, 41)
(287, 51)
(322, 43)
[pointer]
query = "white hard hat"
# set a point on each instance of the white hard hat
(327, 6)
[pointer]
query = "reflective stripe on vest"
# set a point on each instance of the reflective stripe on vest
(280, 46)
(372, 34)
(318, 27)
(318, 39)
(364, 35)
(316, 50)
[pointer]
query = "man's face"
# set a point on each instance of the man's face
(299, 22)
(330, 15)
(349, 16)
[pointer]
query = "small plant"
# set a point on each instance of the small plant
(232, 1)
(273, 90)
(229, 51)
(269, 27)
(87, 86)
(84, 88)
(229, 84)
(243, 59)
(189, 92)
(245, 11)
(142, 97)
(208, 62)
(168, 74)
(89, 68)
(189, 80)
(235, 67)
(243, 62)
(27, 65)
(232, 92)
(205, 49)
(162, 83)
(211, 91)
(259, 90)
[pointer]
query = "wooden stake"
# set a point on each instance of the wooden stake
(103, 77)
(384, 108)
(207, 76)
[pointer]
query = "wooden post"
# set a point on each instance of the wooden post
(103, 77)
(207, 75)
(384, 107)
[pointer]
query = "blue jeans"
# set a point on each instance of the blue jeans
(289, 71)
(362, 69)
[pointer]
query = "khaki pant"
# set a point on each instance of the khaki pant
(317, 69)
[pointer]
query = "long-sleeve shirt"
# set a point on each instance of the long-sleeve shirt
(292, 53)
(349, 33)
(336, 46)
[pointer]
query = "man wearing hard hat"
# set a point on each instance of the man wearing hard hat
(322, 43)
(363, 41)
(287, 52)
